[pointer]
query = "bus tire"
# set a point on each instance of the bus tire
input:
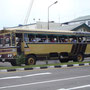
(63, 60)
(13, 63)
(31, 60)
(79, 58)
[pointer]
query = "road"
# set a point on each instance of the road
(6, 64)
(75, 78)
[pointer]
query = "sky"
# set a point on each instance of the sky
(13, 12)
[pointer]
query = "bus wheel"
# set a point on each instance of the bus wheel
(79, 58)
(31, 60)
(64, 60)
(13, 63)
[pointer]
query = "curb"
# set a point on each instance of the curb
(45, 67)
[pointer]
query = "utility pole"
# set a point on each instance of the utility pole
(48, 12)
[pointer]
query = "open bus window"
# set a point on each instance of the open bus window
(31, 37)
(40, 38)
(36, 38)
(88, 39)
(26, 39)
(52, 38)
(64, 39)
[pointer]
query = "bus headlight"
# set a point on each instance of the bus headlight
(9, 55)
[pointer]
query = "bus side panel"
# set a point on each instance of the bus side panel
(78, 48)
(87, 51)
(47, 48)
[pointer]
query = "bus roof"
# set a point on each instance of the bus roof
(44, 31)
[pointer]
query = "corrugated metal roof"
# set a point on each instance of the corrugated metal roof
(70, 27)
(83, 18)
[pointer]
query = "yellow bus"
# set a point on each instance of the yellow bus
(38, 44)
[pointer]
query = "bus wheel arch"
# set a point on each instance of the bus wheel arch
(31, 59)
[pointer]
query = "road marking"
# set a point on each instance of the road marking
(35, 83)
(36, 74)
(14, 77)
(74, 88)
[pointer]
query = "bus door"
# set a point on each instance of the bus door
(20, 43)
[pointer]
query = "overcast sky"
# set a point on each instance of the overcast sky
(13, 12)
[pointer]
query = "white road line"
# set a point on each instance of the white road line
(36, 74)
(35, 83)
(74, 88)
(14, 77)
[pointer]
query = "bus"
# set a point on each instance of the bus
(36, 44)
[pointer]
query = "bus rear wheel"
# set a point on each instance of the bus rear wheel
(31, 60)
(79, 58)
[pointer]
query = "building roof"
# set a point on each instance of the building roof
(19, 26)
(38, 25)
(74, 27)
(82, 18)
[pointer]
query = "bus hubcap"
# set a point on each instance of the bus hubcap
(31, 61)
(80, 58)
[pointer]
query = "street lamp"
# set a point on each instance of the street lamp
(48, 12)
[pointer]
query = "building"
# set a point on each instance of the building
(81, 27)
(54, 26)
(79, 20)
(39, 25)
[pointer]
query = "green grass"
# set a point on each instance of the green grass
(30, 66)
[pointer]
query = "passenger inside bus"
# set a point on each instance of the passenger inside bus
(40, 38)
(74, 40)
(46, 40)
(19, 46)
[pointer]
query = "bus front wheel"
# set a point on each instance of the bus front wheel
(31, 60)
(13, 63)
(79, 58)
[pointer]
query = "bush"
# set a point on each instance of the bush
(20, 59)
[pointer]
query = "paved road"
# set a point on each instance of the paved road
(75, 78)
(6, 64)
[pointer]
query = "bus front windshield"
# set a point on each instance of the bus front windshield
(7, 40)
